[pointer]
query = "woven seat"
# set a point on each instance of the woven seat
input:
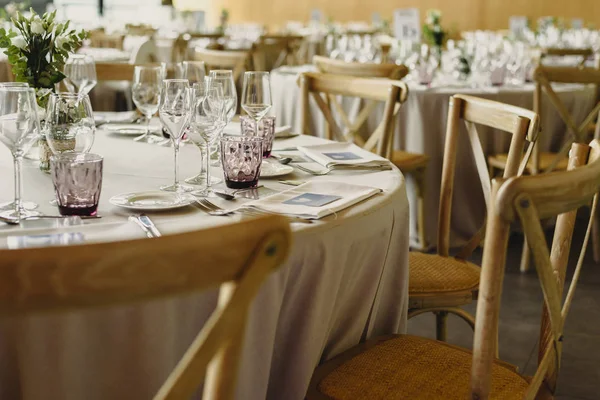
(410, 367)
(431, 273)
(409, 161)
(499, 161)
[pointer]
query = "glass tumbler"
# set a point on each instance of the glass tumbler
(241, 157)
(77, 179)
(266, 131)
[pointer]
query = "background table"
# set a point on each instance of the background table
(346, 279)
(421, 128)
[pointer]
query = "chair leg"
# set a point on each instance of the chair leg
(596, 238)
(441, 322)
(525, 257)
(419, 176)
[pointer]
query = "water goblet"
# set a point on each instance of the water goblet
(266, 131)
(19, 129)
(80, 72)
(256, 95)
(145, 91)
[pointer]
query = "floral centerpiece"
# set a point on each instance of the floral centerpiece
(433, 32)
(37, 48)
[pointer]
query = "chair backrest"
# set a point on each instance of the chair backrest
(236, 257)
(273, 51)
(528, 199)
(107, 72)
(140, 30)
(101, 39)
(544, 77)
(366, 70)
(522, 124)
(181, 50)
(325, 87)
(237, 61)
(146, 52)
(583, 53)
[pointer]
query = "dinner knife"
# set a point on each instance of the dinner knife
(148, 224)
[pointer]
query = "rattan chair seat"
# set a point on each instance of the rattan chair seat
(411, 367)
(432, 273)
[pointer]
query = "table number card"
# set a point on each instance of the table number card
(577, 23)
(376, 19)
(407, 24)
(312, 200)
(517, 24)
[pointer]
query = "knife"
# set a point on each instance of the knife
(148, 224)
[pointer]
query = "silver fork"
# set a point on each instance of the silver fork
(212, 209)
(343, 168)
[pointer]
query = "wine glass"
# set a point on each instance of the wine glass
(147, 82)
(256, 95)
(193, 71)
(175, 113)
(225, 79)
(205, 125)
(28, 205)
(80, 72)
(69, 125)
(19, 129)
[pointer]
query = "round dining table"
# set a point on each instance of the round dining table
(345, 281)
(421, 128)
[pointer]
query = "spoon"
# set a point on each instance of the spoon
(231, 195)
(282, 160)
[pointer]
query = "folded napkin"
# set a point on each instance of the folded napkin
(284, 132)
(314, 200)
(343, 155)
(114, 117)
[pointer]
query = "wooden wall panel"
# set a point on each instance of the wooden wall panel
(458, 14)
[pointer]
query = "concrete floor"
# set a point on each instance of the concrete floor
(520, 313)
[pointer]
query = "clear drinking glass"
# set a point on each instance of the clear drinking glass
(80, 72)
(256, 95)
(147, 82)
(69, 125)
(225, 79)
(193, 71)
(19, 129)
(77, 179)
(175, 112)
(266, 131)
(203, 130)
(10, 205)
(241, 157)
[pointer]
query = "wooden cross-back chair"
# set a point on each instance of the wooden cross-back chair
(272, 51)
(237, 61)
(583, 53)
(101, 39)
(407, 367)
(140, 30)
(339, 67)
(62, 278)
(181, 50)
(394, 93)
(438, 282)
(107, 72)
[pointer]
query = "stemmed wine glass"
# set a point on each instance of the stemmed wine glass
(175, 113)
(80, 72)
(28, 205)
(205, 125)
(145, 91)
(193, 71)
(225, 79)
(19, 129)
(256, 95)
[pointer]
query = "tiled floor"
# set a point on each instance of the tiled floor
(519, 323)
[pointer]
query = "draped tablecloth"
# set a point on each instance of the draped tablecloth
(346, 280)
(421, 128)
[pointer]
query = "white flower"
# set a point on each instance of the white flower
(60, 41)
(36, 26)
(11, 8)
(19, 41)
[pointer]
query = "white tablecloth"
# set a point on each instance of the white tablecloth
(345, 280)
(421, 128)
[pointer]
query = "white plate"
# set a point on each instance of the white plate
(125, 129)
(154, 200)
(273, 169)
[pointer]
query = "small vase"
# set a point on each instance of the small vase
(63, 145)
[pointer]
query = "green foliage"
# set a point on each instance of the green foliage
(432, 29)
(38, 48)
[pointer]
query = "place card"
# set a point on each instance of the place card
(343, 156)
(312, 200)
